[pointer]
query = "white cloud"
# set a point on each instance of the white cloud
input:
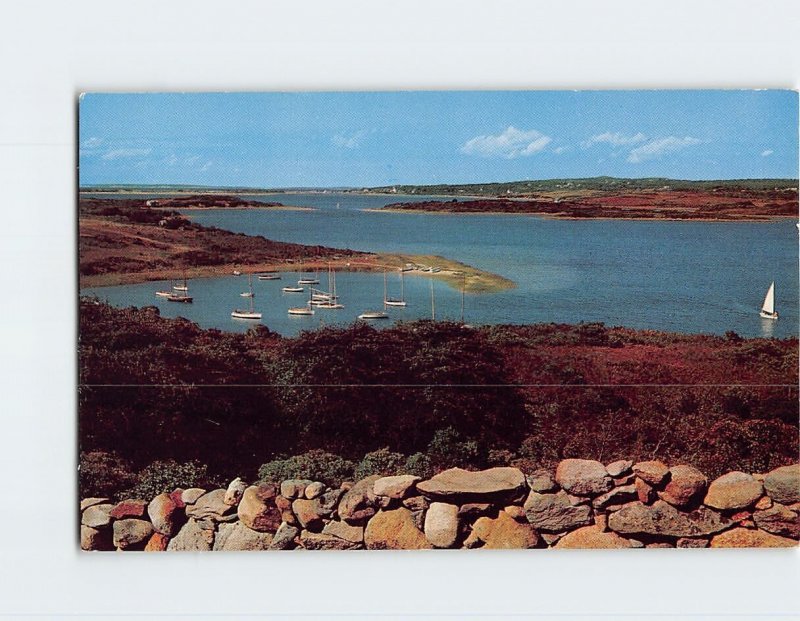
(349, 142)
(615, 139)
(115, 154)
(661, 146)
(560, 150)
(509, 144)
(767, 153)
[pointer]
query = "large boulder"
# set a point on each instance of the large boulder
(191, 495)
(343, 530)
(583, 477)
(749, 538)
(97, 516)
(358, 504)
(165, 515)
(502, 533)
(662, 519)
(555, 512)
(783, 484)
(686, 486)
(212, 506)
(130, 533)
(652, 472)
(257, 509)
(592, 537)
(441, 524)
(237, 537)
(129, 509)
(735, 490)
(395, 487)
(309, 513)
(459, 486)
(542, 481)
(313, 490)
(645, 492)
(779, 520)
(619, 468)
(88, 502)
(193, 537)
(394, 530)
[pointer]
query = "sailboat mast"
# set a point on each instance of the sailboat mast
(384, 286)
(433, 303)
(402, 286)
(463, 287)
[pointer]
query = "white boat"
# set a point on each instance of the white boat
(248, 294)
(269, 276)
(182, 295)
(768, 307)
(301, 310)
(292, 289)
(247, 314)
(401, 301)
(328, 299)
(163, 294)
(308, 281)
(237, 273)
(182, 287)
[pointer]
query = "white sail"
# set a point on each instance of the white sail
(769, 300)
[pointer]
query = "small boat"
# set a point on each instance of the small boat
(293, 289)
(248, 294)
(182, 287)
(269, 276)
(247, 314)
(237, 273)
(395, 301)
(373, 315)
(163, 294)
(768, 307)
(301, 310)
(308, 281)
(183, 295)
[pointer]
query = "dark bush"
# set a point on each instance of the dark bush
(315, 465)
(169, 475)
(103, 474)
(383, 462)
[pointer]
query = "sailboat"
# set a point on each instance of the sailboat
(328, 299)
(305, 280)
(395, 301)
(247, 314)
(768, 307)
(249, 293)
(182, 295)
(165, 293)
(269, 276)
(368, 315)
(303, 310)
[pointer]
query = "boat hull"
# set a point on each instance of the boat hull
(301, 311)
(371, 316)
(395, 303)
(269, 277)
(293, 289)
(766, 315)
(183, 299)
(237, 314)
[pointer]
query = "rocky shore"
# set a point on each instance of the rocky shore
(582, 504)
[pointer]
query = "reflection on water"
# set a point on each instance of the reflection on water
(768, 327)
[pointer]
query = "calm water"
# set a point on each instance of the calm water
(676, 276)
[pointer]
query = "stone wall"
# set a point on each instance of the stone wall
(583, 504)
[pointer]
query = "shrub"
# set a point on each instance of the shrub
(316, 465)
(383, 462)
(447, 449)
(168, 475)
(103, 473)
(419, 464)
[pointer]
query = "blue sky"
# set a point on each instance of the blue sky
(384, 138)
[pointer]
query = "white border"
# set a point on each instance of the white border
(50, 52)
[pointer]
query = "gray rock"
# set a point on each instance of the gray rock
(542, 481)
(321, 541)
(395, 487)
(97, 516)
(783, 484)
(234, 492)
(191, 495)
(617, 496)
(284, 538)
(619, 468)
(343, 530)
(583, 477)
(89, 502)
(193, 537)
(662, 519)
(314, 489)
(686, 485)
(416, 503)
(294, 488)
(165, 515)
(652, 472)
(358, 504)
(779, 520)
(130, 533)
(212, 506)
(237, 537)
(309, 513)
(555, 513)
(458, 486)
(441, 524)
(257, 509)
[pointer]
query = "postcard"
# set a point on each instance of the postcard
(438, 320)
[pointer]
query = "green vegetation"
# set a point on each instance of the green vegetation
(338, 403)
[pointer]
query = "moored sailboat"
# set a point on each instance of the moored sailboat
(768, 307)
(182, 294)
(397, 301)
(247, 314)
(249, 293)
